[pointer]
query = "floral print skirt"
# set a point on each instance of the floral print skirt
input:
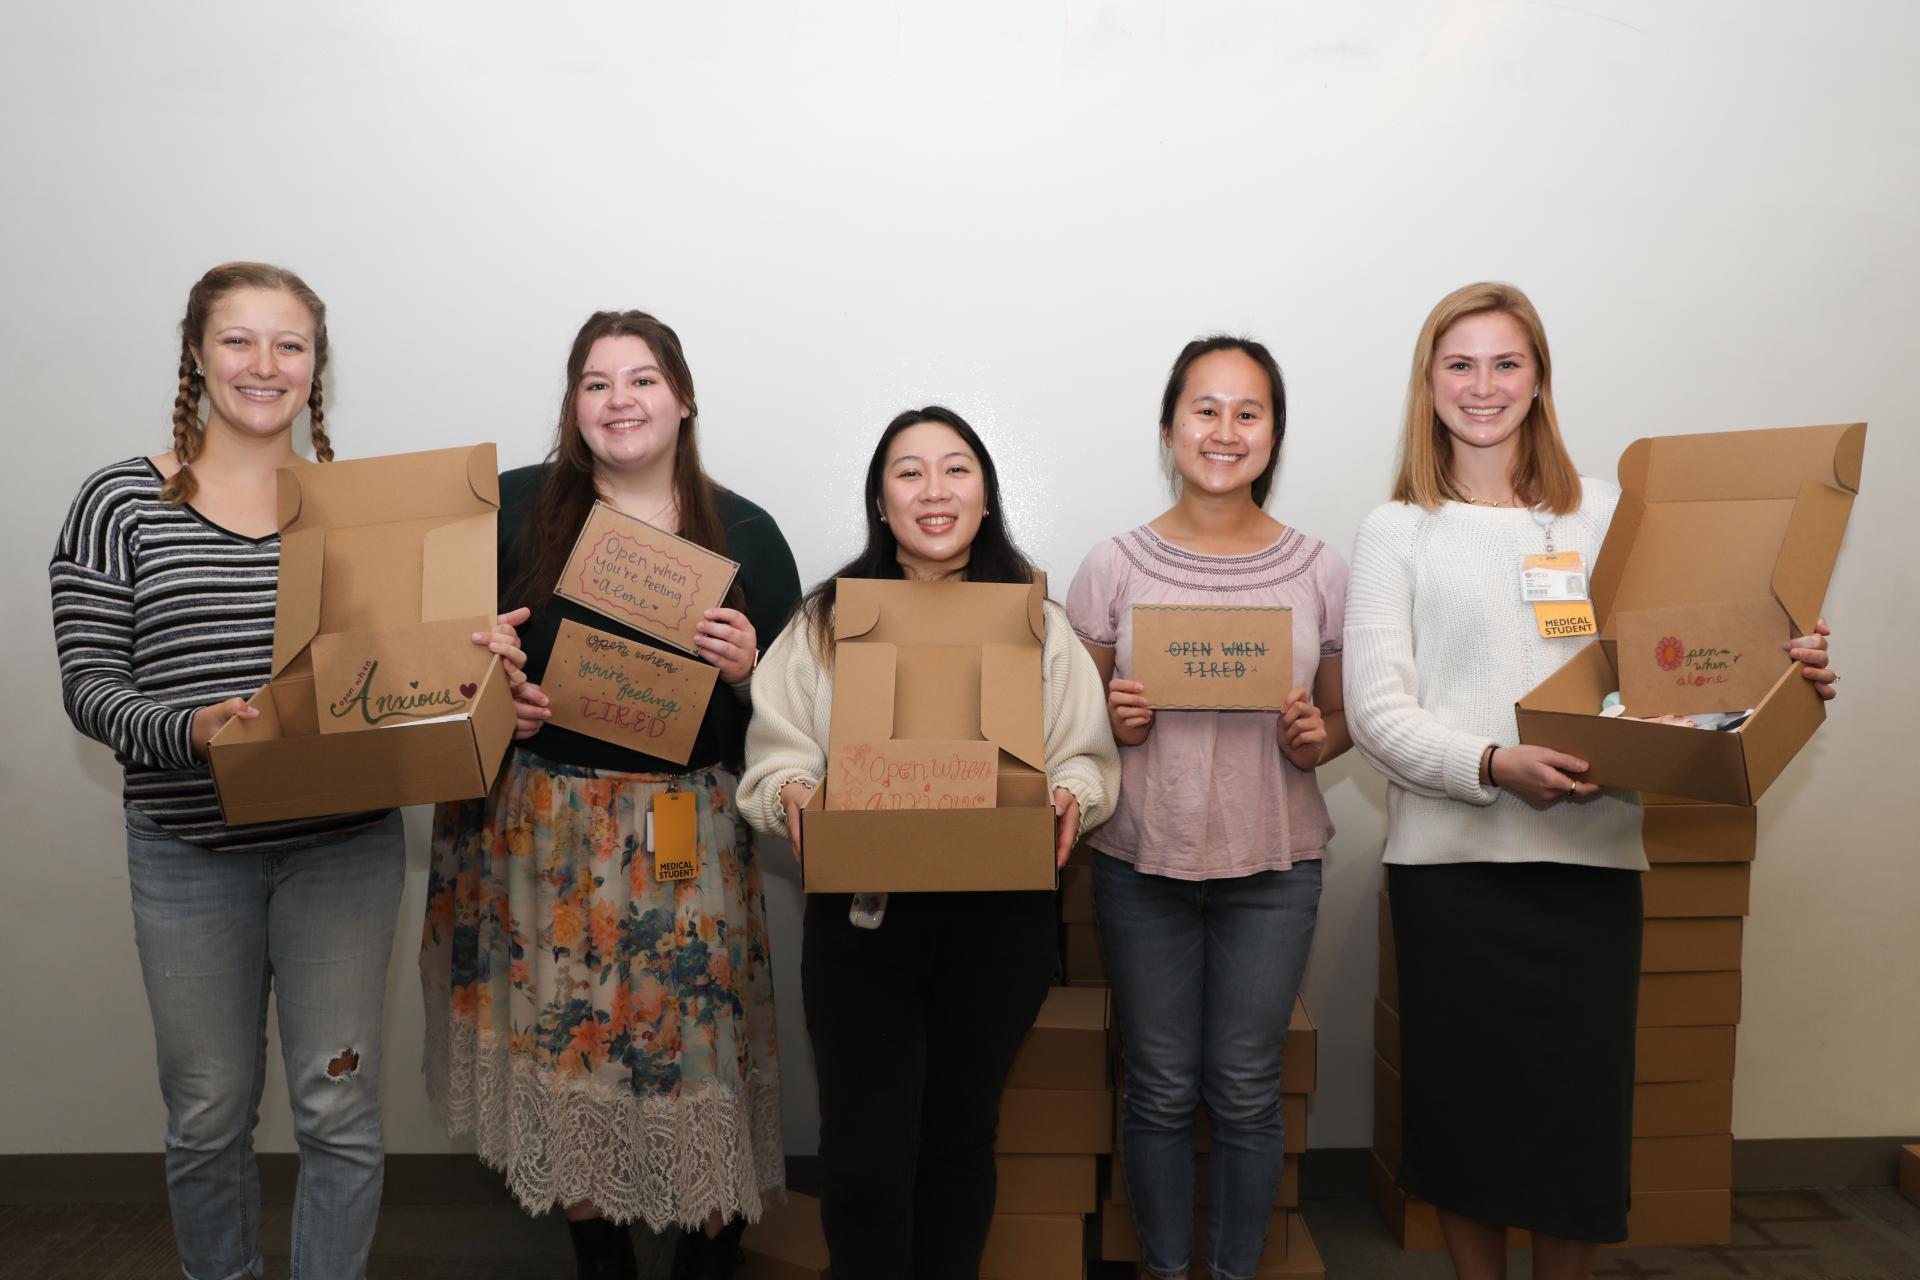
(606, 1036)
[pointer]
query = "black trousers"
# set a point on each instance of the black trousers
(914, 1027)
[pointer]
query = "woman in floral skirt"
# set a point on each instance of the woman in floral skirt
(607, 1034)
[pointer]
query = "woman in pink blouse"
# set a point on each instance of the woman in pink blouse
(1207, 878)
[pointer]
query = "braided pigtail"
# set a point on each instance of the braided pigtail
(317, 423)
(187, 433)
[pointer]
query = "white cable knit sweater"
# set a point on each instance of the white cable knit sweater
(1439, 646)
(793, 706)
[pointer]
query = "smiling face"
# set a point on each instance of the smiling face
(933, 497)
(1222, 431)
(628, 414)
(1484, 378)
(257, 358)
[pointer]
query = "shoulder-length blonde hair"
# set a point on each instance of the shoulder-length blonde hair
(1543, 473)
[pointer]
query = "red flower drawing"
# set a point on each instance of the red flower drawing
(1669, 653)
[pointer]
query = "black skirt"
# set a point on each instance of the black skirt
(1518, 983)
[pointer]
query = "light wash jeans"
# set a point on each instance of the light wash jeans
(1204, 975)
(215, 932)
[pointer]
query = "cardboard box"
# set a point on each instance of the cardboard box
(1387, 1132)
(1682, 1109)
(1910, 1173)
(787, 1243)
(1730, 517)
(373, 546)
(1667, 1054)
(937, 661)
(1055, 1122)
(1690, 944)
(1120, 1242)
(1285, 1196)
(1300, 1053)
(1689, 999)
(1386, 1032)
(1672, 1218)
(1080, 953)
(1696, 889)
(1674, 830)
(1042, 1246)
(1076, 893)
(1701, 1163)
(1046, 1184)
(1655, 1218)
(1067, 1045)
(1302, 1261)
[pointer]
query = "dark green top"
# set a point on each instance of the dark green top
(768, 580)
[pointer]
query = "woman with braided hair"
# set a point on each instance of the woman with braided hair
(164, 583)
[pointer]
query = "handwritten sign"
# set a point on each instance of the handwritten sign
(645, 577)
(627, 693)
(1213, 659)
(1700, 657)
(913, 773)
(398, 676)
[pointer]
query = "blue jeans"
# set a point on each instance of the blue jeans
(1204, 976)
(216, 932)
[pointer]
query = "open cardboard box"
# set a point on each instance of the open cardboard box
(371, 545)
(1729, 517)
(952, 661)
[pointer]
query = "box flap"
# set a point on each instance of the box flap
(939, 613)
(457, 568)
(437, 482)
(296, 620)
(865, 670)
(1011, 691)
(1729, 516)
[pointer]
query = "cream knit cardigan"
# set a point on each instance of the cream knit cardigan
(792, 709)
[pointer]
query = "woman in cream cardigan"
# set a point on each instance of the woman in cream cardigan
(915, 1015)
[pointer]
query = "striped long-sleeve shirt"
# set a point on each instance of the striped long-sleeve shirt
(158, 612)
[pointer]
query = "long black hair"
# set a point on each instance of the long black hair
(992, 558)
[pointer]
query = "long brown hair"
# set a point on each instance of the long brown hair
(188, 435)
(1543, 472)
(567, 495)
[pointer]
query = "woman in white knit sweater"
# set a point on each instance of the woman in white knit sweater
(914, 1024)
(1514, 885)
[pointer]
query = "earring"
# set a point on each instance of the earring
(198, 372)
(883, 519)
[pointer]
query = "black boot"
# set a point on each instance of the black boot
(602, 1250)
(701, 1257)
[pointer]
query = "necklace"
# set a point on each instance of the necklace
(1481, 502)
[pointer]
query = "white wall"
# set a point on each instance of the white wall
(1021, 209)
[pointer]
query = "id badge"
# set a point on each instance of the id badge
(1557, 578)
(671, 836)
(1555, 584)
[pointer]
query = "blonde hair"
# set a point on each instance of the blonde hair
(1543, 472)
(188, 434)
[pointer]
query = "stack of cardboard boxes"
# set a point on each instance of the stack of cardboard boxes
(1682, 1169)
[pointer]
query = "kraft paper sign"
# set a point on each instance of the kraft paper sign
(913, 773)
(627, 693)
(1700, 657)
(1213, 659)
(645, 577)
(400, 675)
